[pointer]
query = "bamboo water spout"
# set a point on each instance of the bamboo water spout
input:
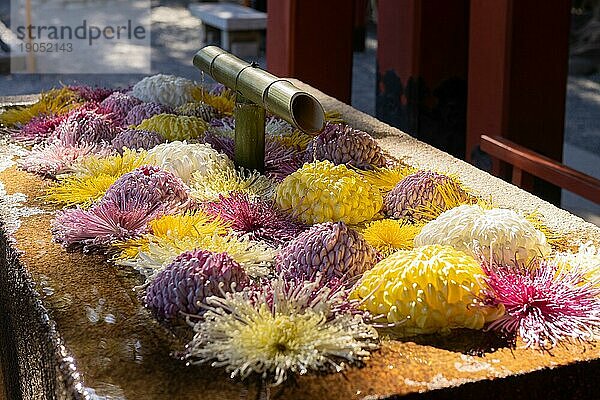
(257, 91)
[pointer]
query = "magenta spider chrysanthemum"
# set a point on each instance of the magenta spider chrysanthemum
(257, 218)
(38, 129)
(119, 104)
(89, 93)
(85, 126)
(280, 161)
(123, 213)
(544, 304)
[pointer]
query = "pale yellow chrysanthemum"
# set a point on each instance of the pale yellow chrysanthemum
(587, 260)
(116, 165)
(80, 190)
(176, 226)
(224, 102)
(52, 102)
(160, 251)
(557, 240)
(280, 330)
(334, 116)
(296, 139)
(208, 186)
(174, 127)
(425, 290)
(390, 235)
(386, 178)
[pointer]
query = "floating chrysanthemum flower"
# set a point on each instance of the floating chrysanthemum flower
(198, 109)
(385, 179)
(426, 290)
(280, 161)
(85, 126)
(174, 127)
(496, 232)
(175, 227)
(424, 195)
(80, 190)
(256, 218)
(190, 279)
(152, 257)
(168, 90)
(89, 93)
(208, 186)
(586, 260)
(136, 139)
(342, 144)
(223, 100)
(52, 102)
(389, 235)
(115, 165)
(545, 304)
(332, 249)
(296, 140)
(277, 331)
(143, 111)
(118, 105)
(125, 210)
(38, 129)
(184, 159)
(321, 192)
(58, 158)
(334, 117)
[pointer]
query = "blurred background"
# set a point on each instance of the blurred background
(444, 72)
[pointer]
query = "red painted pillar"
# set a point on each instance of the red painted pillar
(312, 40)
(422, 69)
(518, 63)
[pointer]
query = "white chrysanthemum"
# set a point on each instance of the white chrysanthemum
(184, 159)
(168, 90)
(208, 186)
(255, 257)
(587, 260)
(279, 330)
(472, 229)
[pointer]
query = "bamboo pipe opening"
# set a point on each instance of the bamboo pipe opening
(307, 112)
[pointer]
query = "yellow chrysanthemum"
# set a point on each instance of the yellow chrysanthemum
(555, 239)
(426, 290)
(296, 139)
(116, 165)
(321, 191)
(174, 227)
(390, 235)
(334, 116)
(386, 178)
(174, 127)
(208, 186)
(224, 102)
(80, 190)
(52, 102)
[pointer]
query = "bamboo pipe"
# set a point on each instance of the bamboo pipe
(276, 95)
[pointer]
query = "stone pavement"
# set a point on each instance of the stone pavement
(176, 37)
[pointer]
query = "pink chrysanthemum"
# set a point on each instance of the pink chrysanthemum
(123, 213)
(280, 161)
(89, 93)
(190, 279)
(38, 129)
(257, 218)
(136, 139)
(57, 158)
(85, 126)
(144, 111)
(544, 304)
(119, 104)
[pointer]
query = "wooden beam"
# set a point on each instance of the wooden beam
(523, 159)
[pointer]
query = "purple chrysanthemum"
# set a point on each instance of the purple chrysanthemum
(89, 93)
(119, 104)
(57, 158)
(143, 111)
(123, 213)
(280, 161)
(190, 279)
(544, 304)
(136, 139)
(330, 248)
(257, 218)
(85, 126)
